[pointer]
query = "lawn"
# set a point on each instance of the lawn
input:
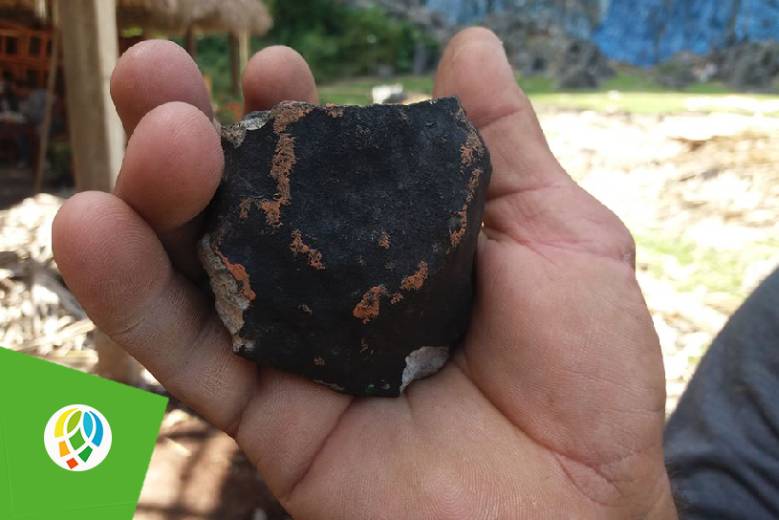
(689, 265)
(632, 91)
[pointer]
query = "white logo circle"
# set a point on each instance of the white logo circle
(77, 437)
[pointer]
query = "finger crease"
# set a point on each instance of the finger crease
(286, 497)
(233, 428)
(127, 329)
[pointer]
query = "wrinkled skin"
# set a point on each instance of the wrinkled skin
(553, 408)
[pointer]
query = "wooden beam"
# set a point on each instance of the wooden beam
(190, 42)
(244, 49)
(240, 47)
(90, 51)
(39, 8)
(45, 126)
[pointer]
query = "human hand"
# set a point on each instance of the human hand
(552, 408)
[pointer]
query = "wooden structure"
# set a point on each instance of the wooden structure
(89, 41)
(26, 60)
(26, 43)
(238, 18)
(90, 51)
(25, 53)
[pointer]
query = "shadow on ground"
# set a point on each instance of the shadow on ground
(198, 473)
(16, 184)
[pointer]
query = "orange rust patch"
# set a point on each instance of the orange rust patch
(334, 111)
(396, 298)
(384, 240)
(473, 183)
(318, 361)
(416, 280)
(272, 209)
(288, 113)
(244, 207)
(281, 167)
(369, 306)
(457, 235)
(299, 247)
(240, 275)
(470, 149)
(283, 159)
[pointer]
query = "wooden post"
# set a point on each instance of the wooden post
(239, 56)
(190, 42)
(39, 8)
(90, 49)
(45, 126)
(244, 49)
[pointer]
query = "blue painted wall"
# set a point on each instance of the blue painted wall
(642, 32)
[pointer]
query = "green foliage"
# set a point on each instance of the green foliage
(213, 60)
(623, 93)
(341, 41)
(358, 91)
(338, 42)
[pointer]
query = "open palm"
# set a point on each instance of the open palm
(554, 406)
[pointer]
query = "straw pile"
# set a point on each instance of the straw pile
(38, 314)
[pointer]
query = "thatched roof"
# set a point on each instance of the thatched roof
(22, 11)
(174, 15)
(206, 15)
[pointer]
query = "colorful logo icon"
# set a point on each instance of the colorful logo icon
(77, 437)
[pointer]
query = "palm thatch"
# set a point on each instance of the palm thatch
(18, 5)
(176, 16)
(27, 12)
(205, 15)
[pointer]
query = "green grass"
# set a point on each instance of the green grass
(694, 265)
(633, 91)
(358, 91)
(633, 102)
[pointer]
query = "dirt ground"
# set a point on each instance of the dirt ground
(700, 193)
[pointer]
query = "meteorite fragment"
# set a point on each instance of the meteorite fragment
(340, 243)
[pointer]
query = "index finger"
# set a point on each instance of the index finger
(152, 73)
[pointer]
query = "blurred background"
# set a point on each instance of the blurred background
(665, 110)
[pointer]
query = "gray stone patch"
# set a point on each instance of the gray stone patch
(423, 362)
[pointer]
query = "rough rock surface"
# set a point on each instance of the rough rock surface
(753, 66)
(341, 241)
(581, 65)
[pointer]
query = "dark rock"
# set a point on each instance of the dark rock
(577, 77)
(751, 66)
(684, 69)
(581, 65)
(341, 241)
(646, 32)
